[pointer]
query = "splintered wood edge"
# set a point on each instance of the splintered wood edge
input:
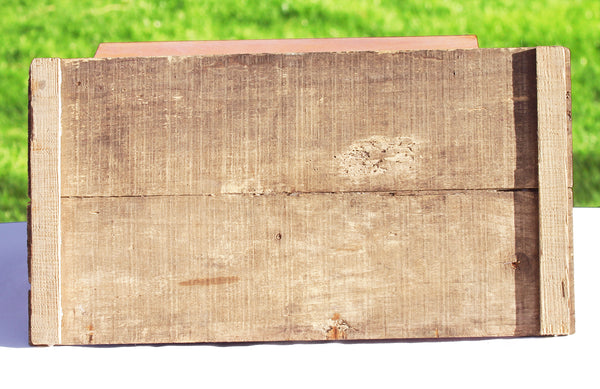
(44, 191)
(557, 316)
(279, 46)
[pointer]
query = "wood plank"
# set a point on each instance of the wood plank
(311, 122)
(44, 235)
(272, 46)
(304, 267)
(555, 181)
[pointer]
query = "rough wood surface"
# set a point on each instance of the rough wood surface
(256, 268)
(300, 123)
(148, 49)
(44, 238)
(310, 196)
(555, 190)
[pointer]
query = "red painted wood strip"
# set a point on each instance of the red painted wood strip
(148, 49)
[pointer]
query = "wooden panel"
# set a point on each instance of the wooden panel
(300, 123)
(305, 267)
(44, 235)
(147, 49)
(555, 180)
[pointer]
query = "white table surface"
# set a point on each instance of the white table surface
(569, 361)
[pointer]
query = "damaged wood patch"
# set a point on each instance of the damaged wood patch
(378, 155)
(337, 328)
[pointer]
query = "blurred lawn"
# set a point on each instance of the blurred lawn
(74, 28)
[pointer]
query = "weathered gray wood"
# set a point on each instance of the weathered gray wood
(298, 123)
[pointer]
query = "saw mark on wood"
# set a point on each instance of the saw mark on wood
(209, 281)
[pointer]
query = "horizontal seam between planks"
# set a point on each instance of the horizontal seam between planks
(424, 192)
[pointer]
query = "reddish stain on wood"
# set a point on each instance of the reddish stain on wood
(337, 329)
(209, 281)
(90, 329)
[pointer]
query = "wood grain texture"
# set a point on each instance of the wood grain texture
(259, 268)
(316, 196)
(271, 46)
(299, 123)
(44, 236)
(555, 181)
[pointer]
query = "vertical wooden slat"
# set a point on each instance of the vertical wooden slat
(555, 186)
(44, 191)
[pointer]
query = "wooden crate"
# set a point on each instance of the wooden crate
(312, 196)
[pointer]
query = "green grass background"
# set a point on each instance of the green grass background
(36, 28)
